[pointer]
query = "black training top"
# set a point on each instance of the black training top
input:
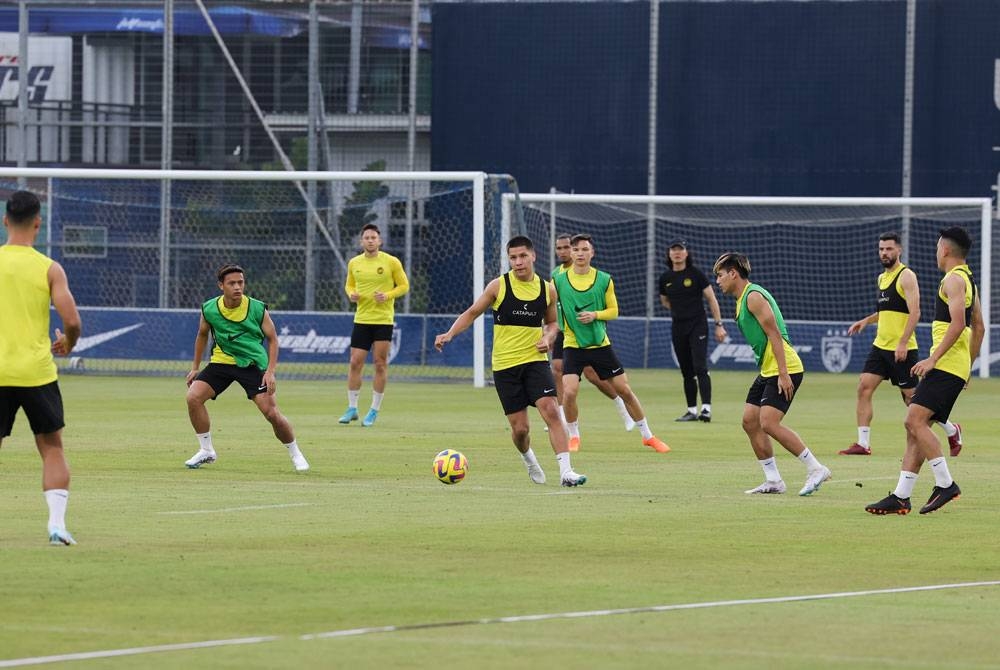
(684, 289)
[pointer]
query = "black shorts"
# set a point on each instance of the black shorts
(42, 405)
(523, 385)
(883, 363)
(938, 391)
(220, 375)
(365, 334)
(602, 359)
(764, 391)
(557, 346)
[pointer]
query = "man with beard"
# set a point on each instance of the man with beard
(894, 351)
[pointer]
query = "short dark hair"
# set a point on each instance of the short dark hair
(228, 269)
(959, 237)
(371, 226)
(891, 235)
(520, 241)
(582, 237)
(22, 207)
(732, 260)
(564, 236)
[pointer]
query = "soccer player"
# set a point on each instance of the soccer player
(238, 324)
(684, 289)
(894, 351)
(605, 387)
(524, 325)
(29, 281)
(781, 371)
(374, 280)
(587, 302)
(956, 335)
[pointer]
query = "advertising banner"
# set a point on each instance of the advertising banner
(317, 337)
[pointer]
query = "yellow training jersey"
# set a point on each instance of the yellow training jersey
(238, 313)
(608, 312)
(25, 347)
(518, 319)
(958, 359)
(381, 273)
(893, 312)
(755, 335)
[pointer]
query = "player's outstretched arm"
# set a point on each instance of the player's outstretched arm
(861, 324)
(466, 318)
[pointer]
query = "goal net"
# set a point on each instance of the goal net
(817, 256)
(141, 249)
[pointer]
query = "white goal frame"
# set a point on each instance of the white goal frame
(476, 179)
(553, 199)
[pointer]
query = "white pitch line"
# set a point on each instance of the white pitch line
(248, 508)
(110, 653)
(39, 660)
(639, 610)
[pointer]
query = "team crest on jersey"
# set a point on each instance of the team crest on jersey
(836, 351)
(687, 282)
(380, 270)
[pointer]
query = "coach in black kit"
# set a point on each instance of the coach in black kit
(684, 290)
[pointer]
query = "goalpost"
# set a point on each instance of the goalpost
(817, 255)
(141, 247)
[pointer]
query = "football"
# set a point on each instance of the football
(450, 466)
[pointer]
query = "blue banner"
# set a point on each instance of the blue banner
(315, 337)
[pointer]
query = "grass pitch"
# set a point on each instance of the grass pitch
(368, 538)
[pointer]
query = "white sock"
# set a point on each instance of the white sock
(809, 460)
(907, 480)
(949, 428)
(377, 400)
(692, 410)
(865, 436)
(770, 467)
(941, 475)
(573, 428)
(644, 428)
(620, 406)
(292, 446)
(563, 461)
(562, 417)
(352, 398)
(706, 407)
(57, 499)
(205, 441)
(529, 457)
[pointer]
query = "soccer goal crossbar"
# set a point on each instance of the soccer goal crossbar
(818, 253)
(145, 240)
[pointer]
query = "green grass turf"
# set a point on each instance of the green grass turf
(368, 537)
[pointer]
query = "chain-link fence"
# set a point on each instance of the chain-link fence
(249, 83)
